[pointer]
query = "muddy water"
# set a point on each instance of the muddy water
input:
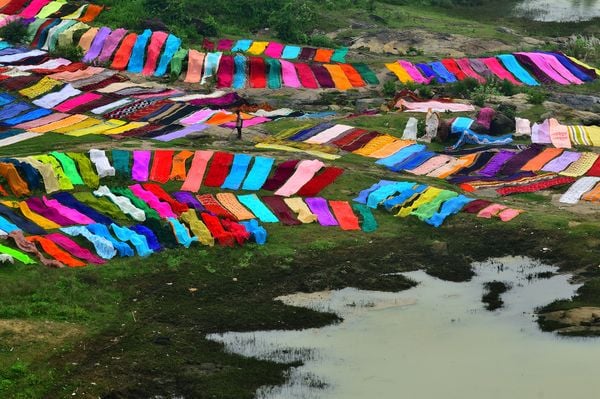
(559, 10)
(432, 341)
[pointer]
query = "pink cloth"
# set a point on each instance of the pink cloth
(33, 8)
(305, 171)
(197, 117)
(431, 165)
(248, 122)
(434, 106)
(546, 68)
(509, 214)
(75, 102)
(555, 64)
(111, 43)
(465, 65)
(540, 133)
(559, 134)
(141, 165)
(163, 208)
(414, 73)
(494, 65)
(289, 75)
(157, 41)
(67, 212)
(196, 173)
(490, 211)
(274, 50)
(74, 249)
(42, 121)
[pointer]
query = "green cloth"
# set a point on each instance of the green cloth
(177, 62)
(69, 167)
(18, 255)
(102, 205)
(121, 162)
(274, 73)
(426, 211)
(50, 8)
(366, 73)
(137, 202)
(369, 224)
(33, 28)
(54, 40)
(339, 55)
(64, 182)
(91, 179)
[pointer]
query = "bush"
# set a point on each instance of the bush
(14, 32)
(462, 88)
(72, 52)
(582, 47)
(389, 88)
(482, 94)
(536, 96)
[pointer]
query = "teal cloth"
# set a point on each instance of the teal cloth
(273, 73)
(121, 162)
(103, 247)
(53, 40)
(366, 73)
(239, 168)
(257, 232)
(450, 207)
(239, 77)
(241, 46)
(291, 52)
(139, 241)
(259, 173)
(7, 226)
(101, 230)
(339, 55)
(258, 208)
(4, 45)
(384, 192)
(69, 167)
(182, 233)
(369, 224)
(172, 45)
(136, 61)
(510, 62)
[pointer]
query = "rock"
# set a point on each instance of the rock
(501, 124)
(363, 104)
(578, 101)
(504, 29)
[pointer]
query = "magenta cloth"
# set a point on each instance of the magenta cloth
(33, 8)
(494, 65)
(562, 162)
(224, 45)
(414, 73)
(182, 132)
(289, 75)
(546, 69)
(37, 205)
(163, 208)
(67, 212)
(248, 122)
(223, 101)
(166, 93)
(320, 207)
(74, 102)
(157, 41)
(555, 64)
(306, 76)
(485, 116)
(74, 249)
(496, 163)
(196, 117)
(111, 43)
(225, 71)
(274, 50)
(465, 65)
(141, 164)
(97, 44)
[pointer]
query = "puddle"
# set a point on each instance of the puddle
(559, 10)
(432, 341)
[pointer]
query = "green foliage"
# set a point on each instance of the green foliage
(586, 48)
(321, 41)
(293, 21)
(389, 88)
(536, 96)
(462, 88)
(71, 52)
(482, 94)
(14, 32)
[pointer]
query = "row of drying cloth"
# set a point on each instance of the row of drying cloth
(58, 171)
(155, 53)
(524, 68)
(430, 204)
(27, 9)
(509, 171)
(144, 219)
(276, 50)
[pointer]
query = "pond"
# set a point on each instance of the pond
(432, 341)
(559, 10)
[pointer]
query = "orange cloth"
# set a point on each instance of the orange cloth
(4, 3)
(338, 76)
(123, 54)
(195, 64)
(391, 149)
(353, 76)
(323, 55)
(542, 159)
(71, 120)
(465, 162)
(593, 195)
(375, 145)
(179, 170)
(55, 251)
(91, 13)
(88, 37)
(18, 186)
(89, 122)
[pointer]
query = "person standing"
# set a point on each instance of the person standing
(239, 124)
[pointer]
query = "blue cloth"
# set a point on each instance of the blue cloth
(442, 74)
(313, 131)
(7, 226)
(567, 63)
(101, 230)
(6, 99)
(259, 173)
(239, 167)
(364, 194)
(103, 247)
(4, 45)
(403, 197)
(239, 77)
(29, 116)
(30, 174)
(461, 124)
(182, 233)
(427, 71)
(290, 52)
(151, 238)
(10, 133)
(510, 62)
(69, 201)
(257, 207)
(136, 61)
(258, 233)
(138, 240)
(450, 207)
(14, 109)
(386, 191)
(401, 155)
(172, 45)
(241, 46)
(24, 224)
(415, 160)
(470, 137)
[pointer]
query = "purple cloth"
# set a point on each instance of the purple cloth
(518, 161)
(38, 206)
(141, 164)
(182, 132)
(320, 207)
(97, 44)
(111, 43)
(562, 162)
(323, 76)
(496, 163)
(480, 67)
(228, 99)
(539, 74)
(188, 198)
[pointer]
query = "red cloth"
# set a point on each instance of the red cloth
(161, 165)
(121, 58)
(14, 6)
(595, 169)
(157, 41)
(306, 76)
(208, 45)
(219, 169)
(476, 206)
(281, 210)
(345, 215)
(157, 190)
(454, 69)
(283, 172)
(225, 45)
(360, 142)
(211, 204)
(238, 231)
(216, 229)
(531, 188)
(258, 73)
(225, 71)
(319, 182)
(349, 138)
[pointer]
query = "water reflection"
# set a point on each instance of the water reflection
(559, 10)
(432, 341)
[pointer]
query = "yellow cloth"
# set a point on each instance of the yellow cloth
(427, 196)
(125, 128)
(286, 148)
(257, 48)
(452, 167)
(339, 77)
(231, 203)
(302, 210)
(593, 133)
(97, 129)
(198, 227)
(63, 181)
(374, 145)
(89, 122)
(37, 218)
(399, 72)
(391, 149)
(65, 38)
(77, 13)
(50, 179)
(581, 166)
(68, 121)
(583, 64)
(44, 86)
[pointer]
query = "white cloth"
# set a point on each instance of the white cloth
(275, 112)
(124, 203)
(18, 138)
(105, 108)
(329, 134)
(103, 166)
(55, 63)
(580, 187)
(523, 127)
(20, 56)
(6, 258)
(189, 97)
(411, 129)
(432, 122)
(14, 72)
(51, 100)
